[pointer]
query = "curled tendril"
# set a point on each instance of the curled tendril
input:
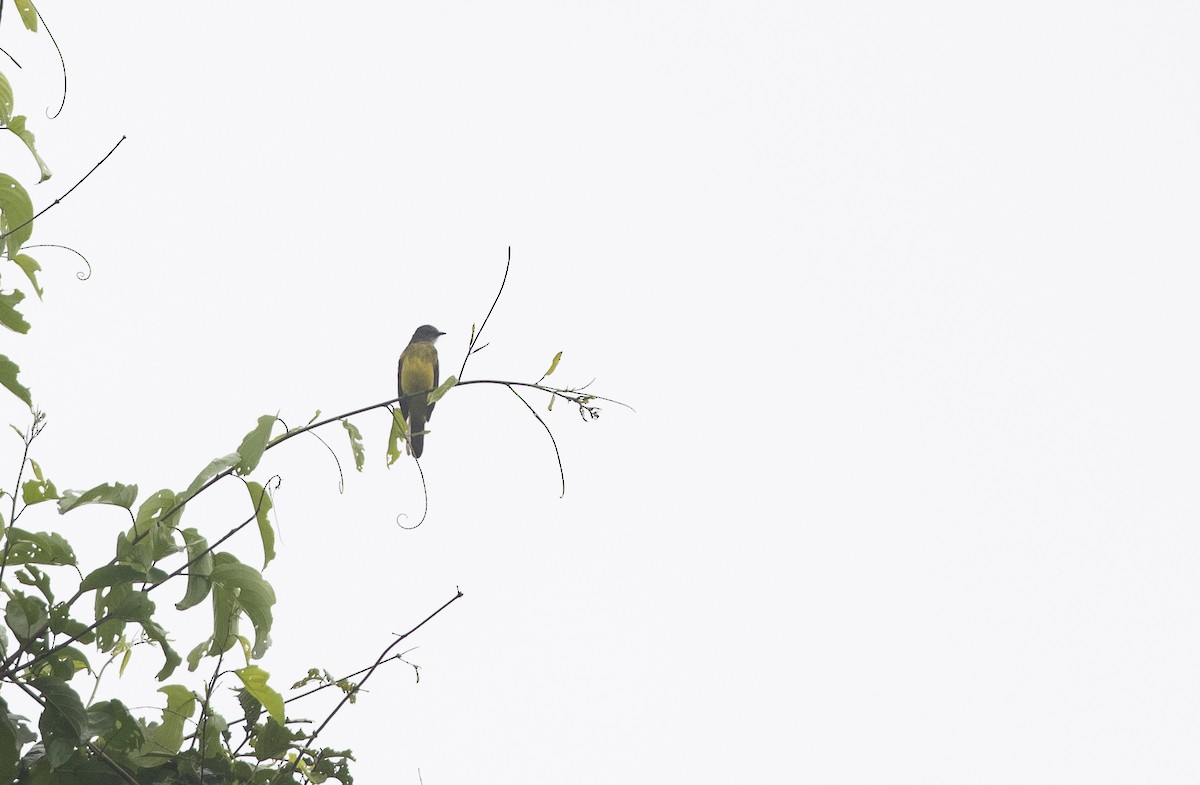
(81, 275)
(61, 60)
(425, 491)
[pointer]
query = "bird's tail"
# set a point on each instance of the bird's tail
(416, 424)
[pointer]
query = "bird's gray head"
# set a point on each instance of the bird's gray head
(427, 333)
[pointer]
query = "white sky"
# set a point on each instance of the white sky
(904, 295)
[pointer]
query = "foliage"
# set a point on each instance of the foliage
(48, 638)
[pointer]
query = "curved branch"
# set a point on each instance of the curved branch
(557, 455)
(475, 335)
(68, 193)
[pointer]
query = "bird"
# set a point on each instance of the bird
(416, 374)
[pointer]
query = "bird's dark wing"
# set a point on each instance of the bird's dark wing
(437, 379)
(400, 387)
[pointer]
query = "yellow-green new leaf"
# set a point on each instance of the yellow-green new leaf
(553, 365)
(28, 14)
(16, 214)
(8, 378)
(17, 126)
(255, 679)
(262, 506)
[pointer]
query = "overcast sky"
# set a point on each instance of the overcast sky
(903, 294)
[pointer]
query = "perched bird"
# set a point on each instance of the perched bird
(418, 373)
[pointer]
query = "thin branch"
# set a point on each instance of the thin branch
(562, 475)
(475, 337)
(357, 687)
(329, 684)
(30, 435)
(68, 193)
(576, 397)
(204, 709)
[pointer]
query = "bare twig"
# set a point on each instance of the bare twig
(383, 657)
(475, 337)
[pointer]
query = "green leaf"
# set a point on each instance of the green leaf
(250, 593)
(6, 107)
(32, 576)
(253, 445)
(151, 510)
(194, 656)
(255, 679)
(28, 14)
(110, 630)
(10, 317)
(17, 126)
(25, 616)
(64, 663)
(136, 606)
(200, 564)
(8, 378)
(62, 623)
(251, 706)
(16, 214)
(211, 731)
(30, 267)
(10, 750)
(356, 445)
(166, 739)
(262, 506)
(63, 720)
(34, 491)
(114, 574)
(553, 365)
(214, 468)
(109, 493)
(151, 538)
(26, 547)
(271, 741)
(398, 436)
(442, 389)
(119, 731)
